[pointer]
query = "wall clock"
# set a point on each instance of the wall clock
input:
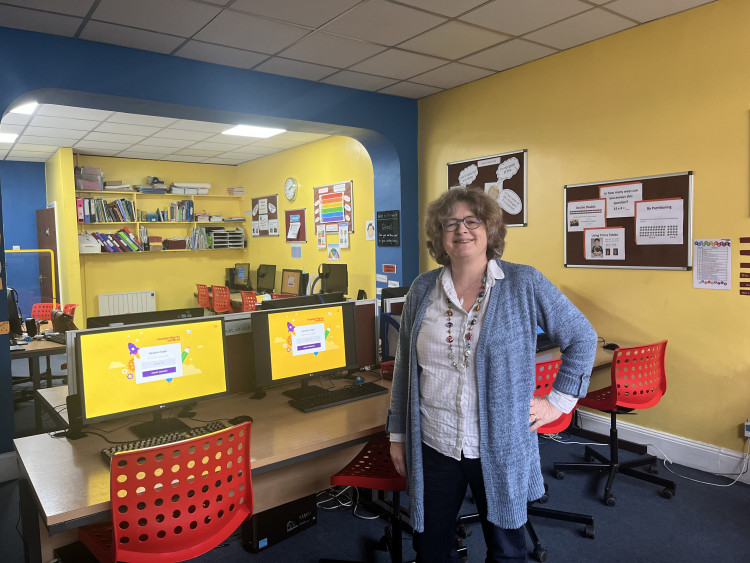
(290, 188)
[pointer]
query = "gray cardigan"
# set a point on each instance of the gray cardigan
(505, 363)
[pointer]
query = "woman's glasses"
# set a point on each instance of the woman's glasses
(469, 222)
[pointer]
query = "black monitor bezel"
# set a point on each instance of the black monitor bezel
(107, 321)
(267, 269)
(161, 407)
(261, 345)
(325, 283)
(236, 282)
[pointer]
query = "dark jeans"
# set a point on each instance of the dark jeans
(445, 481)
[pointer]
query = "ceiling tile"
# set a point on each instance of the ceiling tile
(223, 160)
(129, 37)
(273, 143)
(196, 152)
(113, 138)
(450, 8)
(220, 55)
(17, 154)
(8, 128)
(181, 158)
(53, 132)
(38, 148)
(253, 150)
(580, 29)
(104, 145)
(647, 10)
(509, 54)
(39, 140)
(410, 90)
(331, 50)
(395, 63)
(454, 40)
(43, 22)
(382, 22)
(301, 137)
(173, 143)
(517, 17)
(249, 32)
(73, 112)
(214, 146)
(148, 155)
(295, 69)
(182, 134)
(302, 12)
(16, 119)
(190, 125)
(63, 123)
(451, 75)
(69, 7)
(176, 17)
(127, 129)
(137, 119)
(350, 79)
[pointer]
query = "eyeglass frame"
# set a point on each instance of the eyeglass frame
(455, 222)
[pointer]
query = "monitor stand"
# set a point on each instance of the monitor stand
(305, 390)
(158, 426)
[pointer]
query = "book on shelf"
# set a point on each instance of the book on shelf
(236, 191)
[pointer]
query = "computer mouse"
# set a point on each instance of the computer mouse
(240, 419)
(611, 346)
(359, 380)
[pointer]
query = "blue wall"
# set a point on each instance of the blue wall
(24, 191)
(73, 72)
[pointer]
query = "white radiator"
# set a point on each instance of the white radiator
(129, 302)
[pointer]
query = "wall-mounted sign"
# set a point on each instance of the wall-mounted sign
(265, 220)
(388, 228)
(333, 205)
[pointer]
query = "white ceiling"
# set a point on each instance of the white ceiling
(410, 48)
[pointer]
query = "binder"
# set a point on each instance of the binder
(79, 209)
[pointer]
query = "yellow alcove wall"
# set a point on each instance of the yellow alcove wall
(668, 96)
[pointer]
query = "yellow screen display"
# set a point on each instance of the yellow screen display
(306, 341)
(144, 366)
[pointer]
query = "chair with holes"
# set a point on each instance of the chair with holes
(546, 372)
(221, 300)
(175, 501)
(373, 468)
(70, 309)
(249, 300)
(638, 381)
(43, 311)
(204, 297)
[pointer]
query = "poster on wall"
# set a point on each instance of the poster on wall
(501, 176)
(333, 206)
(388, 228)
(265, 220)
(294, 221)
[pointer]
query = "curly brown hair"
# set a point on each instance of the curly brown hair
(482, 205)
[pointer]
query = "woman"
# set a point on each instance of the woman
(462, 410)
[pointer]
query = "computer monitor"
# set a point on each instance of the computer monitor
(242, 277)
(266, 278)
(105, 321)
(147, 368)
(367, 332)
(333, 277)
(300, 343)
(291, 282)
(389, 292)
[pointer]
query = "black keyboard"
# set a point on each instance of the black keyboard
(58, 337)
(170, 437)
(338, 397)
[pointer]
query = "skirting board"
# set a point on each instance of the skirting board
(698, 455)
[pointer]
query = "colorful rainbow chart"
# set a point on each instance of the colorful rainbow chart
(332, 208)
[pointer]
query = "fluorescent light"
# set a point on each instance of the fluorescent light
(26, 109)
(8, 137)
(253, 131)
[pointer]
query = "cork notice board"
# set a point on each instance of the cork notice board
(641, 223)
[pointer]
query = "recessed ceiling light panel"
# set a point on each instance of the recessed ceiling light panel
(253, 131)
(8, 137)
(26, 109)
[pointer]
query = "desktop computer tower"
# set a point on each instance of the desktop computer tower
(274, 525)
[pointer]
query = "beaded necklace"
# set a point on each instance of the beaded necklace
(472, 322)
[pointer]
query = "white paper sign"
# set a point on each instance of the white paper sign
(621, 198)
(712, 263)
(659, 221)
(604, 244)
(586, 214)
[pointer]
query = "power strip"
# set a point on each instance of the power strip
(747, 428)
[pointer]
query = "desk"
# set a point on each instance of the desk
(33, 351)
(65, 484)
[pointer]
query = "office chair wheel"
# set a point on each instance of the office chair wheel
(540, 554)
(667, 493)
(589, 531)
(610, 500)
(559, 475)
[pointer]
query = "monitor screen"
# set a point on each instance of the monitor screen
(296, 344)
(146, 317)
(291, 281)
(148, 368)
(266, 278)
(367, 332)
(333, 278)
(242, 276)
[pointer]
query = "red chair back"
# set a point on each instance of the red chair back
(638, 375)
(249, 300)
(204, 298)
(546, 372)
(282, 295)
(70, 309)
(221, 299)
(176, 501)
(372, 469)
(42, 311)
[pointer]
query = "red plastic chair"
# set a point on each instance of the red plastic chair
(373, 469)
(638, 381)
(221, 299)
(175, 501)
(204, 297)
(70, 309)
(42, 311)
(249, 300)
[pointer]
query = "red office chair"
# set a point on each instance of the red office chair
(204, 297)
(373, 469)
(546, 372)
(249, 300)
(43, 311)
(70, 309)
(175, 501)
(638, 382)
(221, 300)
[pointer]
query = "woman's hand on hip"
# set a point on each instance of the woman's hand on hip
(398, 455)
(541, 412)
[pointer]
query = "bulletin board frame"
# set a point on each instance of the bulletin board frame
(661, 241)
(509, 192)
(340, 211)
(265, 216)
(300, 214)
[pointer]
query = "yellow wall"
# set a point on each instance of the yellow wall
(328, 161)
(669, 96)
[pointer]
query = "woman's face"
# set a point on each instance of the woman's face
(465, 244)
